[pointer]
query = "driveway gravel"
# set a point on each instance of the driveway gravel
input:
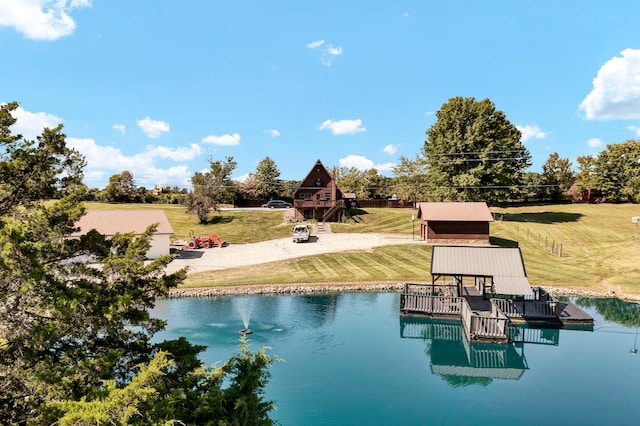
(238, 255)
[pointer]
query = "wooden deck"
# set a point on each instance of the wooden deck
(489, 319)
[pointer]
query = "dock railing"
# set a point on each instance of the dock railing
(527, 309)
(420, 299)
(480, 327)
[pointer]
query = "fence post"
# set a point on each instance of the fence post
(560, 253)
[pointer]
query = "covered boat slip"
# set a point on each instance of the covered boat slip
(488, 289)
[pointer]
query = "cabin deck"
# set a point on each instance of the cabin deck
(489, 319)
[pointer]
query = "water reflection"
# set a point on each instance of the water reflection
(462, 363)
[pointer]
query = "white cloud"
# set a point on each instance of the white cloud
(105, 161)
(153, 128)
(634, 129)
(40, 19)
(357, 161)
(175, 154)
(328, 51)
(243, 177)
(390, 149)
(385, 166)
(363, 163)
(616, 89)
(343, 127)
(31, 124)
(595, 143)
(120, 127)
(224, 140)
(315, 44)
(531, 132)
(273, 133)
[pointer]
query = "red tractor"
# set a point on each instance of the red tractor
(205, 242)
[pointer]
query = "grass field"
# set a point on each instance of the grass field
(600, 246)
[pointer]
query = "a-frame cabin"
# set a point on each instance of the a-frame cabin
(318, 197)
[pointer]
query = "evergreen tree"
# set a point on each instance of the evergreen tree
(75, 338)
(267, 174)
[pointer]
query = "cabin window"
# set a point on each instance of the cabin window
(327, 195)
(306, 195)
(318, 182)
(318, 196)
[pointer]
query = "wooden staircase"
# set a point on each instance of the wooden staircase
(340, 204)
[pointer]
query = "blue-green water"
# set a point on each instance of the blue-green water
(349, 359)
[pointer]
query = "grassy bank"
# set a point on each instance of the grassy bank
(600, 251)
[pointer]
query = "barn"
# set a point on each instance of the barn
(111, 222)
(455, 222)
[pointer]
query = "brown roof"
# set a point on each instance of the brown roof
(455, 212)
(504, 264)
(111, 222)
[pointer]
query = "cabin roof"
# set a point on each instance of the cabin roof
(455, 212)
(111, 222)
(504, 264)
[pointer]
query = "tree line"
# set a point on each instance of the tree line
(472, 153)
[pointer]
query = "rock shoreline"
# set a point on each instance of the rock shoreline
(323, 288)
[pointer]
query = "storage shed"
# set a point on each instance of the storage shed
(455, 222)
(111, 222)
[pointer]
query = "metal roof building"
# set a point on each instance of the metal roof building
(457, 221)
(500, 268)
(111, 222)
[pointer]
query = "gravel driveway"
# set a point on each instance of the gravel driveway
(238, 255)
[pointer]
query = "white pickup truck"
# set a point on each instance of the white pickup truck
(300, 233)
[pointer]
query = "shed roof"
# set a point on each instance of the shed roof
(504, 264)
(455, 212)
(111, 222)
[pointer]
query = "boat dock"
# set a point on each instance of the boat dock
(489, 319)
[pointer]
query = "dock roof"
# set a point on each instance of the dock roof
(504, 264)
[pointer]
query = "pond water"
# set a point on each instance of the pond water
(350, 359)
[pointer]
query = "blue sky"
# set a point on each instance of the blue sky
(159, 87)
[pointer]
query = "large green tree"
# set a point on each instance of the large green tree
(267, 174)
(557, 176)
(617, 172)
(73, 333)
(210, 188)
(473, 153)
(411, 178)
(121, 187)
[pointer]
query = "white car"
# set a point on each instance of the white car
(300, 233)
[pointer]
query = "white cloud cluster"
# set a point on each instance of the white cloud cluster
(328, 51)
(616, 89)
(343, 127)
(120, 127)
(363, 163)
(224, 140)
(595, 143)
(272, 132)
(40, 19)
(531, 132)
(634, 129)
(153, 128)
(31, 124)
(104, 161)
(390, 149)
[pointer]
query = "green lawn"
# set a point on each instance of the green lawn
(600, 246)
